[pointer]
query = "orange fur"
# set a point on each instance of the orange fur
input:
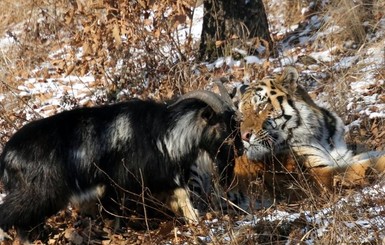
(280, 174)
(288, 174)
(360, 173)
(283, 177)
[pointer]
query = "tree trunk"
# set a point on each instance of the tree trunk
(227, 23)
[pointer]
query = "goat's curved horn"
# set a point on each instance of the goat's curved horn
(224, 93)
(210, 98)
(226, 96)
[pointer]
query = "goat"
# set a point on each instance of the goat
(108, 151)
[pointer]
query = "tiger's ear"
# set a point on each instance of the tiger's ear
(237, 93)
(289, 79)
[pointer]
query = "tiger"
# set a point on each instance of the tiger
(289, 137)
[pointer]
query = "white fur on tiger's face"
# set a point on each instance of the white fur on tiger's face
(278, 114)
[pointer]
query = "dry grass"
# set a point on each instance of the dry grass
(40, 27)
(351, 20)
(346, 32)
(14, 12)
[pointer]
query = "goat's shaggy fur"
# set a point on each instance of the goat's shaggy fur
(111, 151)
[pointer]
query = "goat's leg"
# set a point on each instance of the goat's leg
(180, 203)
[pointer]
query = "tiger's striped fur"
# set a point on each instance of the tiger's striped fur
(283, 129)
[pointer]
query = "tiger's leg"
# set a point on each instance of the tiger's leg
(363, 172)
(319, 164)
(368, 155)
(324, 176)
(246, 173)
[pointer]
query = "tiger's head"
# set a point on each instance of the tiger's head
(268, 115)
(256, 139)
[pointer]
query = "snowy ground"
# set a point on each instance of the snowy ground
(365, 98)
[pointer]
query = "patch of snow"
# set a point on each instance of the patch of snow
(345, 63)
(6, 42)
(253, 60)
(193, 29)
(373, 115)
(240, 51)
(359, 86)
(323, 56)
(286, 61)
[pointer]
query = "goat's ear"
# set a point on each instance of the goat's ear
(209, 115)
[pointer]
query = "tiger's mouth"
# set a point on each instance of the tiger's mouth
(269, 141)
(258, 143)
(257, 150)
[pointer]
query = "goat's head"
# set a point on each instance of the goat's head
(221, 135)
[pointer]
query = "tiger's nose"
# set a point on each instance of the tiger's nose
(246, 136)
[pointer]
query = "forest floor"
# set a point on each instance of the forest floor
(46, 67)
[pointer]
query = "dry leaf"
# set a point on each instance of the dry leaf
(69, 16)
(116, 35)
(70, 69)
(147, 22)
(178, 20)
(157, 33)
(219, 43)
